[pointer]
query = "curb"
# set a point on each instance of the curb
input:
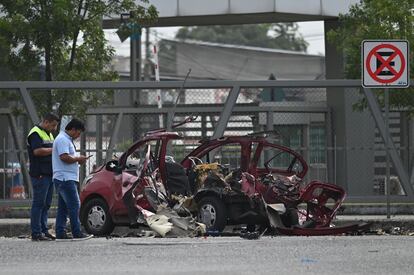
(18, 227)
(397, 225)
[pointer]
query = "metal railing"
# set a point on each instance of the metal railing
(304, 116)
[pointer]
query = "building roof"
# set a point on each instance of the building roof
(209, 60)
(240, 47)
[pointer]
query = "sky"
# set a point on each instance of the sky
(312, 32)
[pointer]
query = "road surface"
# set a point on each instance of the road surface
(213, 255)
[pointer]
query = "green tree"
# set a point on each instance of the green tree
(375, 19)
(279, 36)
(63, 38)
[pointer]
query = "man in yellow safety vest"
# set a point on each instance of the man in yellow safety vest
(39, 146)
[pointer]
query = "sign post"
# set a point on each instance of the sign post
(385, 64)
(387, 153)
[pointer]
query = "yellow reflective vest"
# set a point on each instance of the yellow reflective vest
(40, 166)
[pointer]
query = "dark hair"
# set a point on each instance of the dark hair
(51, 117)
(75, 124)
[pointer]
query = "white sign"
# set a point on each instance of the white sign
(385, 63)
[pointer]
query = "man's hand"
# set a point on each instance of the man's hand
(82, 159)
(72, 159)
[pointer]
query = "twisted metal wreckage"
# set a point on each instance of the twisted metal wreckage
(197, 196)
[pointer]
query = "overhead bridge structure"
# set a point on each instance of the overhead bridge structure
(227, 12)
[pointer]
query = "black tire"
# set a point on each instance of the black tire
(212, 212)
(251, 227)
(96, 219)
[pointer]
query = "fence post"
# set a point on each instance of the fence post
(30, 107)
(98, 140)
(22, 158)
(330, 152)
(114, 137)
(83, 152)
(226, 113)
(4, 163)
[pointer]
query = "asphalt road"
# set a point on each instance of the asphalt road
(212, 255)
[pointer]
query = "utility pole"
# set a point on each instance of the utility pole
(135, 65)
(135, 74)
(147, 65)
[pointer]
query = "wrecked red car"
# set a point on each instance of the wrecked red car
(102, 206)
(265, 188)
(230, 180)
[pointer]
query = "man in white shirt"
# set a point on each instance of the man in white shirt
(65, 162)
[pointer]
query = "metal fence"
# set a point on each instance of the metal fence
(351, 154)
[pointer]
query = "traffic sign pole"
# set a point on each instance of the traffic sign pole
(387, 155)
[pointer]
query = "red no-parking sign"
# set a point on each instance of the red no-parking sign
(385, 63)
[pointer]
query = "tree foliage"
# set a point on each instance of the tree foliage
(278, 36)
(63, 40)
(375, 19)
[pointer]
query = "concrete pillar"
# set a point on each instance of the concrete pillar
(411, 150)
(353, 131)
(359, 141)
(4, 137)
(335, 98)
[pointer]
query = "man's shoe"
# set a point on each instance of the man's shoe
(50, 236)
(63, 238)
(40, 238)
(82, 237)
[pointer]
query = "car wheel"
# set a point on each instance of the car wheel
(96, 218)
(212, 212)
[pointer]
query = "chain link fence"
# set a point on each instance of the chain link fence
(356, 161)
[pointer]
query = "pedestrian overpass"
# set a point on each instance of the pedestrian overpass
(227, 12)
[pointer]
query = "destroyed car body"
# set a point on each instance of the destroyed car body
(259, 184)
(265, 188)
